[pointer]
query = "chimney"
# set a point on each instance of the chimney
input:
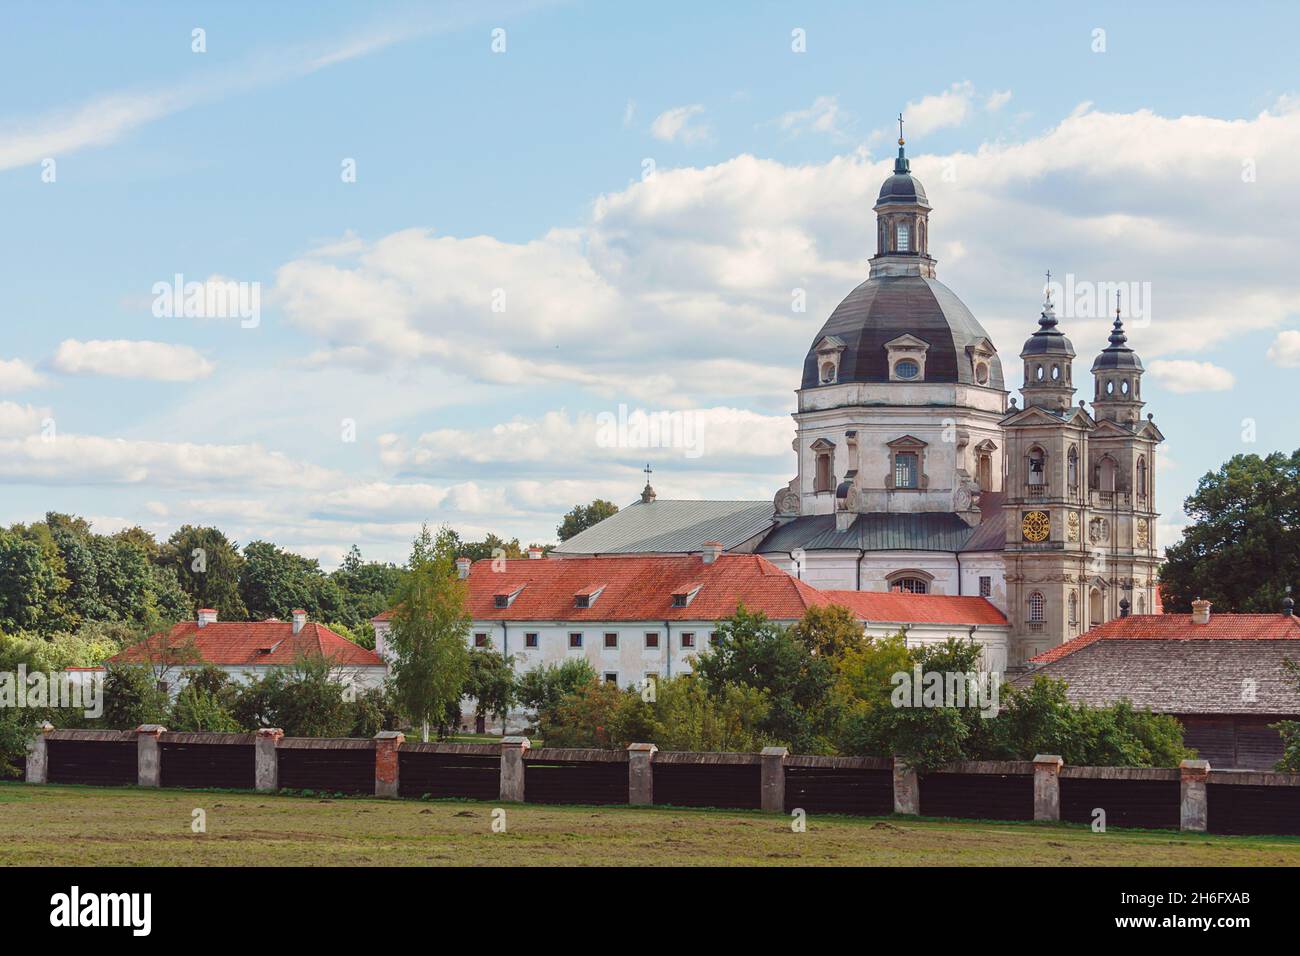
(1200, 612)
(207, 616)
(711, 551)
(535, 553)
(462, 567)
(299, 619)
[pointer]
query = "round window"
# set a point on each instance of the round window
(907, 369)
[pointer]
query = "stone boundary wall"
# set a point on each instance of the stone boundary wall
(1198, 797)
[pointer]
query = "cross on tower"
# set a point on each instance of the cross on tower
(900, 129)
(1049, 286)
(647, 471)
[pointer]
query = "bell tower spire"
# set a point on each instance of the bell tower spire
(1117, 372)
(902, 222)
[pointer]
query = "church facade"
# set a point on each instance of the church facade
(918, 472)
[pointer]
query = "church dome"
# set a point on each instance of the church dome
(884, 308)
(902, 188)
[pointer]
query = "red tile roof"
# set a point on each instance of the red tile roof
(642, 589)
(1179, 627)
(253, 642)
(904, 608)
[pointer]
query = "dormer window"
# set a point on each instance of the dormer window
(828, 373)
(587, 596)
(505, 598)
(829, 350)
(686, 595)
(906, 358)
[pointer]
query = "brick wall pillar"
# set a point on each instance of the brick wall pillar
(512, 768)
(1047, 787)
(1194, 813)
(773, 777)
(640, 774)
(907, 789)
(266, 776)
(387, 745)
(38, 756)
(148, 755)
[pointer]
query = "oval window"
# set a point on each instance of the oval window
(1124, 387)
(907, 369)
(1038, 373)
(1056, 373)
(982, 373)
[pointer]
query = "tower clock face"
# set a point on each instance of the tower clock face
(1035, 526)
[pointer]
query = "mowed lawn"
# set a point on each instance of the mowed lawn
(92, 826)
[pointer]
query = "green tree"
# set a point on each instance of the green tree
(30, 586)
(1242, 549)
(305, 699)
(752, 651)
(583, 517)
(541, 689)
(428, 637)
(491, 682)
(274, 583)
(206, 702)
(829, 631)
(367, 589)
(207, 564)
(132, 697)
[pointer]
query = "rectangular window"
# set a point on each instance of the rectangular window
(611, 640)
(905, 469)
(501, 600)
(688, 639)
(679, 600)
(651, 640)
(611, 677)
(713, 637)
(530, 640)
(575, 640)
(582, 600)
(986, 586)
(480, 640)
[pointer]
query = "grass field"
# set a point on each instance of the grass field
(96, 826)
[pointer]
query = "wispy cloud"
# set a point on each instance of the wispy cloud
(675, 125)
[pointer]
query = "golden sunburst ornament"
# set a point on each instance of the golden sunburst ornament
(1036, 526)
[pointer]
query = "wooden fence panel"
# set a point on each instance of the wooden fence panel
(1237, 808)
(708, 785)
(331, 769)
(448, 775)
(105, 763)
(978, 796)
(574, 781)
(839, 790)
(1152, 804)
(229, 766)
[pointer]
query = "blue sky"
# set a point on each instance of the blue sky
(522, 171)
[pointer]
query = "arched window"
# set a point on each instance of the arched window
(1037, 611)
(1037, 468)
(1095, 611)
(825, 476)
(1142, 604)
(907, 369)
(903, 238)
(1072, 464)
(1142, 476)
(910, 585)
(1106, 470)
(1074, 608)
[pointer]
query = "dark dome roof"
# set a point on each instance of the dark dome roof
(1117, 355)
(1048, 339)
(882, 309)
(902, 188)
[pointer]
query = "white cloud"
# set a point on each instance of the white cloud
(675, 125)
(19, 421)
(629, 112)
(997, 99)
(17, 376)
(123, 358)
(1285, 350)
(824, 116)
(949, 108)
(1184, 376)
